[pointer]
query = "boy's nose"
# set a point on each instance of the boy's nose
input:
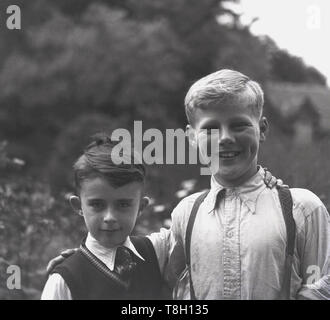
(225, 136)
(109, 216)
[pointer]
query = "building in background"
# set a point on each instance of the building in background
(305, 106)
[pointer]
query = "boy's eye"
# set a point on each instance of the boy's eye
(240, 125)
(124, 204)
(97, 205)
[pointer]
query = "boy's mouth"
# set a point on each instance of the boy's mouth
(110, 230)
(228, 154)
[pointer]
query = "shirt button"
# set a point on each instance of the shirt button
(230, 234)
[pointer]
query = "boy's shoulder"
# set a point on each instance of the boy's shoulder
(306, 204)
(305, 198)
(73, 261)
(308, 210)
(184, 207)
(144, 247)
(189, 201)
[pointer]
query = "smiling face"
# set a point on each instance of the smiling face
(110, 213)
(236, 135)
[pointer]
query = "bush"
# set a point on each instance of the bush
(34, 226)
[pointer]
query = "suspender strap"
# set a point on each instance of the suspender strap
(190, 226)
(286, 204)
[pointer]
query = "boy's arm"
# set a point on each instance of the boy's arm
(56, 289)
(169, 246)
(170, 254)
(176, 259)
(314, 247)
(161, 243)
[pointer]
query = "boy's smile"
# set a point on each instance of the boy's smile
(229, 135)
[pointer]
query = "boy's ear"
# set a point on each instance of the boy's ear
(143, 204)
(191, 134)
(76, 204)
(264, 127)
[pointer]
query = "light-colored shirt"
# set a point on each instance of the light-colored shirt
(238, 248)
(56, 288)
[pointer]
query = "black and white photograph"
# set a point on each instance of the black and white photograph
(155, 152)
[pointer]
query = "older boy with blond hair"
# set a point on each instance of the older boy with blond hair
(238, 240)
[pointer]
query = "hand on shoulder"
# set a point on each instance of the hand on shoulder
(59, 259)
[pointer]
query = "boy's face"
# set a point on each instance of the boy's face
(235, 143)
(110, 213)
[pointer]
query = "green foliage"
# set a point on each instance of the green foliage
(34, 226)
(253, 60)
(289, 68)
(71, 141)
(101, 62)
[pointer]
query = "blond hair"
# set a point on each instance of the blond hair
(220, 86)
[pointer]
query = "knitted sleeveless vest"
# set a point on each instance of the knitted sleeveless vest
(89, 279)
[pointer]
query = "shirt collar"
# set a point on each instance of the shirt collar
(248, 192)
(108, 255)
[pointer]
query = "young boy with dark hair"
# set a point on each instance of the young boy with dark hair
(110, 264)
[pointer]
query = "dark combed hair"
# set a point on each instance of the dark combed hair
(101, 157)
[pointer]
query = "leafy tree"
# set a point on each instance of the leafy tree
(289, 68)
(101, 62)
(244, 52)
(70, 143)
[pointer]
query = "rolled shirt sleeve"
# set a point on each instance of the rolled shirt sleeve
(56, 289)
(314, 246)
(161, 243)
(169, 246)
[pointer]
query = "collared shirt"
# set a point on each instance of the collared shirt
(57, 289)
(238, 248)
